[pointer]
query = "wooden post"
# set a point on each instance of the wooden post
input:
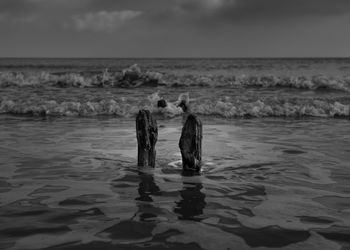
(191, 143)
(147, 135)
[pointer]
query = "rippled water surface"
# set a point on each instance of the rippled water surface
(266, 183)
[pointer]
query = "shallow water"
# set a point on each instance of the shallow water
(266, 183)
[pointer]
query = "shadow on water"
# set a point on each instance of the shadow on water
(192, 202)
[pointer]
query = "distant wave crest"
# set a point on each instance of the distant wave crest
(134, 77)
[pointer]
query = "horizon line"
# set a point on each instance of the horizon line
(156, 57)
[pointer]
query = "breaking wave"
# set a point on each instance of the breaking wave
(45, 94)
(225, 108)
(134, 77)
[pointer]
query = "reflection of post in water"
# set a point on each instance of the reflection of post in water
(147, 188)
(192, 201)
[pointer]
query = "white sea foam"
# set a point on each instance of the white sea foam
(151, 78)
(226, 108)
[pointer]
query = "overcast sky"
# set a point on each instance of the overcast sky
(174, 28)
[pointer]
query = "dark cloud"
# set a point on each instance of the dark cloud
(174, 27)
(224, 12)
(16, 6)
(258, 10)
(44, 10)
(219, 9)
(276, 8)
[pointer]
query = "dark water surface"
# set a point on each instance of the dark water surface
(266, 183)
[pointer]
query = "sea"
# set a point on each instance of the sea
(275, 163)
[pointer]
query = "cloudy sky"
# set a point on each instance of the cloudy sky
(174, 28)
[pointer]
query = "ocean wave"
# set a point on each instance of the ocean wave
(226, 108)
(134, 77)
(130, 77)
(313, 108)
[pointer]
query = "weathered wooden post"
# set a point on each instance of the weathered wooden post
(147, 135)
(191, 143)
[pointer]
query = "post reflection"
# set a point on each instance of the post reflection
(147, 188)
(192, 202)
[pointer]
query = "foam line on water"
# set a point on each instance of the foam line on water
(229, 107)
(146, 78)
